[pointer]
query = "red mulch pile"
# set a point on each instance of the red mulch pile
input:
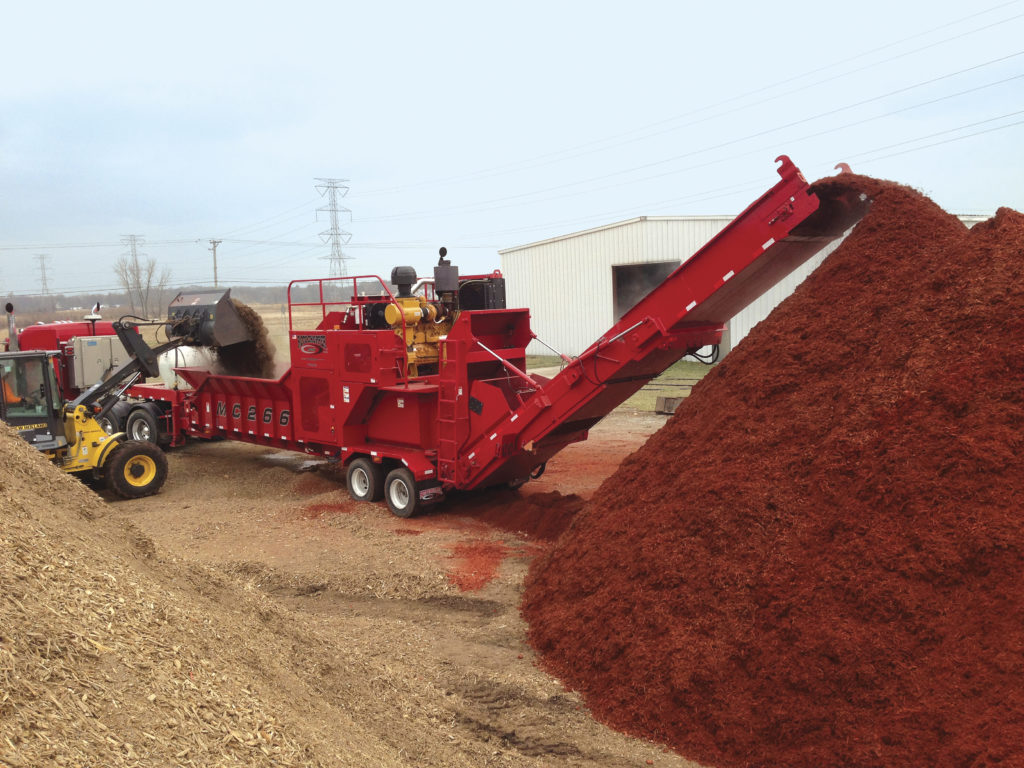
(537, 516)
(819, 561)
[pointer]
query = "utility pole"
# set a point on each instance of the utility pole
(334, 189)
(44, 287)
(213, 248)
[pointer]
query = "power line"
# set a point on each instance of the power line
(507, 201)
(100, 244)
(940, 133)
(755, 185)
(281, 243)
(307, 245)
(614, 141)
(699, 197)
(486, 205)
(945, 141)
(256, 225)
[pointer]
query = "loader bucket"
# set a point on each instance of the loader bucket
(206, 319)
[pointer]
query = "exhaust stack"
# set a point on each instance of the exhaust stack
(12, 332)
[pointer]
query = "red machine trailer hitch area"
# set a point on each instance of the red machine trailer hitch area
(423, 390)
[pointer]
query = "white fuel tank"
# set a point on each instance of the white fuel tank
(183, 357)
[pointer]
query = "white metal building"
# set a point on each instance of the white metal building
(576, 286)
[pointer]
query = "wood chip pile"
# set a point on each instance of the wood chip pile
(99, 665)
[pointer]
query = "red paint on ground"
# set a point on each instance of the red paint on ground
(314, 483)
(316, 511)
(819, 560)
(476, 563)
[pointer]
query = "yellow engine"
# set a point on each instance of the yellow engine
(422, 324)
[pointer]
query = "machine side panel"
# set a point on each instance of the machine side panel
(312, 392)
(404, 418)
(251, 410)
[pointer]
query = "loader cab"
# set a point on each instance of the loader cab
(30, 401)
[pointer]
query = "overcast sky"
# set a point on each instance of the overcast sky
(474, 125)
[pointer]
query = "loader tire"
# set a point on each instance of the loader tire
(135, 469)
(401, 492)
(365, 480)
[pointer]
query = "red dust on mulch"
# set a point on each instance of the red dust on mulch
(537, 516)
(315, 483)
(819, 560)
(317, 511)
(476, 563)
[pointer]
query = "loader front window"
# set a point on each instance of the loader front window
(24, 386)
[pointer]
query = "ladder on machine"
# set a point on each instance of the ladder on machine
(451, 416)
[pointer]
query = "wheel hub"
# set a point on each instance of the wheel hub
(361, 482)
(140, 470)
(399, 494)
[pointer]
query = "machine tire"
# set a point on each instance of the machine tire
(141, 425)
(135, 469)
(365, 480)
(401, 492)
(113, 422)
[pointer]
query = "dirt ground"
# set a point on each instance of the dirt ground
(413, 625)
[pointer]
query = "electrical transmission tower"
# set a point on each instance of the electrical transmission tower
(44, 287)
(133, 275)
(333, 190)
(133, 242)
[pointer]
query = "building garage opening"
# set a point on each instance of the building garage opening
(631, 282)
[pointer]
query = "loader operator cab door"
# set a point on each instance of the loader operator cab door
(30, 401)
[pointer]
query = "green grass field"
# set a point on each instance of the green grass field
(677, 381)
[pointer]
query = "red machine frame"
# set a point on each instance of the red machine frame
(481, 419)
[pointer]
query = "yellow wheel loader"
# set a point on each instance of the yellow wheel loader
(31, 404)
(71, 433)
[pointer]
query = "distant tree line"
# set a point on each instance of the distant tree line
(153, 302)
